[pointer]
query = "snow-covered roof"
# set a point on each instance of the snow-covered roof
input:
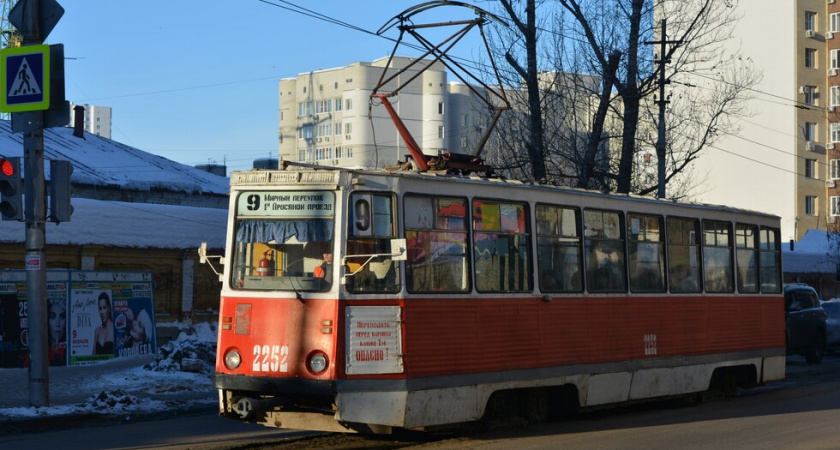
(132, 225)
(811, 254)
(98, 161)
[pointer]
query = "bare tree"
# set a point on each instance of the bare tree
(527, 28)
(606, 40)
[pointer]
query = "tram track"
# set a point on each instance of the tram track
(338, 441)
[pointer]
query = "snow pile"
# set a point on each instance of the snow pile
(127, 385)
(113, 400)
(193, 351)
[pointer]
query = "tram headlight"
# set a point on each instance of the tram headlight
(317, 362)
(233, 359)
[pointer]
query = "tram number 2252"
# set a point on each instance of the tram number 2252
(271, 358)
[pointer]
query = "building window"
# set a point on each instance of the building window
(811, 58)
(440, 108)
(835, 132)
(811, 168)
(810, 131)
(348, 152)
(323, 106)
(810, 205)
(834, 57)
(440, 132)
(811, 95)
(835, 206)
(308, 131)
(810, 20)
(348, 128)
(338, 104)
(337, 128)
(834, 169)
(338, 153)
(834, 22)
(301, 155)
(348, 104)
(835, 96)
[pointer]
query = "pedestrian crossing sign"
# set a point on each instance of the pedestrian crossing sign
(25, 78)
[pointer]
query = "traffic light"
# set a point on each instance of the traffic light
(11, 189)
(60, 191)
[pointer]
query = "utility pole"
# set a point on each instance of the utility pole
(31, 112)
(661, 102)
(35, 207)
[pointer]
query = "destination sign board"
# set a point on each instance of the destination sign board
(286, 204)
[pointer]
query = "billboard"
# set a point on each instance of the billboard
(92, 316)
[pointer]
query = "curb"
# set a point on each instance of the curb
(18, 425)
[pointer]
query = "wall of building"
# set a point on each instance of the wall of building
(166, 266)
(756, 169)
(368, 137)
(97, 119)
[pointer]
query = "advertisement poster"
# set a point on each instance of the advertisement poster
(91, 316)
(134, 319)
(57, 323)
(14, 345)
(91, 323)
(111, 316)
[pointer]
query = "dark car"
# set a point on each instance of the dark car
(805, 329)
(832, 325)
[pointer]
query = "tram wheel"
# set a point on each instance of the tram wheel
(536, 406)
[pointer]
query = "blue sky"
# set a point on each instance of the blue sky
(196, 81)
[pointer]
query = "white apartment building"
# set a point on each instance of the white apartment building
(786, 159)
(97, 119)
(327, 116)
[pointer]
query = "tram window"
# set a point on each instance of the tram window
(436, 235)
(558, 249)
(501, 247)
(604, 251)
(717, 256)
(371, 225)
(746, 257)
(683, 254)
(280, 239)
(770, 260)
(647, 253)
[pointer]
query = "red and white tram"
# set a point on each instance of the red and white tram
(454, 298)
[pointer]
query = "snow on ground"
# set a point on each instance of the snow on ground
(147, 387)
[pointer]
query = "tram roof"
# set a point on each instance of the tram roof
(310, 174)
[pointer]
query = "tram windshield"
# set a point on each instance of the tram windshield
(283, 240)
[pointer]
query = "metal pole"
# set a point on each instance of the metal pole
(35, 264)
(660, 139)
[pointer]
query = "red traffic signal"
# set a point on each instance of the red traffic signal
(7, 167)
(11, 189)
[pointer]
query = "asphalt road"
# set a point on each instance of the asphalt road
(800, 412)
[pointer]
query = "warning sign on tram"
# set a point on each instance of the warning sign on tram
(25, 80)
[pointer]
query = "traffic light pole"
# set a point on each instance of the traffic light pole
(35, 263)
